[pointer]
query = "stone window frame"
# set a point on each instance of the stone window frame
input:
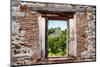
(44, 51)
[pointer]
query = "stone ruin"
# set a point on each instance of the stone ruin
(27, 43)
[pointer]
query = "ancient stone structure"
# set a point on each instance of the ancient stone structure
(27, 37)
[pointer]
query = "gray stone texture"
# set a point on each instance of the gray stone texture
(25, 31)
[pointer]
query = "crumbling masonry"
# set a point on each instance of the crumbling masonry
(25, 35)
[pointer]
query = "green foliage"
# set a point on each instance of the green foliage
(51, 30)
(57, 44)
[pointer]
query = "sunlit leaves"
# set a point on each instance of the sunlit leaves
(57, 44)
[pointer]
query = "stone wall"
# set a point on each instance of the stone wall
(25, 47)
(90, 31)
(81, 35)
(24, 34)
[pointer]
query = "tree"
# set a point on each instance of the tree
(51, 30)
(57, 45)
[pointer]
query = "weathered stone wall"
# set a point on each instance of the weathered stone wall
(85, 22)
(25, 48)
(25, 34)
(90, 31)
(72, 37)
(81, 35)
